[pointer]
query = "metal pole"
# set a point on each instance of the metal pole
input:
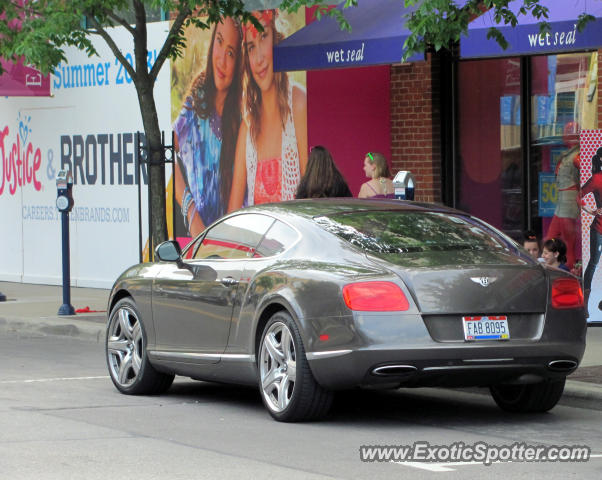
(66, 308)
(139, 156)
(173, 185)
(149, 164)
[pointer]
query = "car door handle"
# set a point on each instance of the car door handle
(229, 281)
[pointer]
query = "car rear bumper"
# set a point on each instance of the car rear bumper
(446, 365)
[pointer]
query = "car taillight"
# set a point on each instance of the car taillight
(567, 293)
(375, 297)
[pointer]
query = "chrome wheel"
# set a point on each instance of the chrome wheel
(125, 346)
(277, 367)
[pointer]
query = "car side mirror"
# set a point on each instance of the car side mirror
(169, 251)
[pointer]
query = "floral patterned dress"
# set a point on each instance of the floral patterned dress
(200, 144)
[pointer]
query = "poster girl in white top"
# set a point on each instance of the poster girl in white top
(271, 152)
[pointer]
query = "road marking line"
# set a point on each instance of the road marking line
(438, 467)
(446, 467)
(60, 379)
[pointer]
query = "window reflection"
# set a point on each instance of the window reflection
(235, 237)
(491, 168)
(278, 239)
(402, 232)
(490, 154)
(563, 101)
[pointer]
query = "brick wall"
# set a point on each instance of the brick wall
(415, 126)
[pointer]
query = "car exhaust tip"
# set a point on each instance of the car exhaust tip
(394, 370)
(562, 365)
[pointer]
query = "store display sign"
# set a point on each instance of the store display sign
(548, 194)
(555, 155)
(526, 38)
(506, 110)
(544, 110)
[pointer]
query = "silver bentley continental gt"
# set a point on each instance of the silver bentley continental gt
(307, 297)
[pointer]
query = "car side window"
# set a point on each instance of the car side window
(234, 237)
(279, 237)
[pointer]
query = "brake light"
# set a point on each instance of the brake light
(375, 297)
(567, 293)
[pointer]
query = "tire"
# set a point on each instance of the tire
(125, 349)
(286, 384)
(536, 397)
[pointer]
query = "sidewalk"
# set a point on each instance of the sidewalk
(33, 308)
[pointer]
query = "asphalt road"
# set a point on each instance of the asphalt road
(61, 418)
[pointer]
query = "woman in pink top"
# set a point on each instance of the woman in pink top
(271, 152)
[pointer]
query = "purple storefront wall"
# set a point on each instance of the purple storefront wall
(348, 111)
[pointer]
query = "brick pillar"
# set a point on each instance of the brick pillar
(415, 125)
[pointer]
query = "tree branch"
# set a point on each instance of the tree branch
(121, 21)
(183, 13)
(99, 30)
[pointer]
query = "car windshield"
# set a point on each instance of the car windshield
(420, 235)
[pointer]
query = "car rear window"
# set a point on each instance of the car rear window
(392, 232)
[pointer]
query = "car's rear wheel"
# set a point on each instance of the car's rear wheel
(536, 397)
(127, 359)
(288, 388)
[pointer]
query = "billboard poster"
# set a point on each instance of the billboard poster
(89, 125)
(591, 219)
(240, 127)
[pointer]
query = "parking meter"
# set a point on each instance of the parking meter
(64, 185)
(64, 202)
(403, 184)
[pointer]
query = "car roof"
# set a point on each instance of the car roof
(313, 207)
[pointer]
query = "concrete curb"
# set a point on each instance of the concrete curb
(90, 327)
(582, 394)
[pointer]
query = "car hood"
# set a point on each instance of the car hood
(500, 283)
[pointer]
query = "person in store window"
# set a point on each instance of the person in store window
(554, 253)
(531, 244)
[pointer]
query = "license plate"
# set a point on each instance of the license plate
(486, 328)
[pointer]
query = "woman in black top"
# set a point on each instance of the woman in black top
(322, 177)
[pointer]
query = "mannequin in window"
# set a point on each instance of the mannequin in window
(564, 223)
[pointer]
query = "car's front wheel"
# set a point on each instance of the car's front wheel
(288, 388)
(536, 397)
(127, 359)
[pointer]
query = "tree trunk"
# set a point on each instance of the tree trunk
(156, 170)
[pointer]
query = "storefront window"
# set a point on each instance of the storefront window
(564, 100)
(490, 173)
(490, 162)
